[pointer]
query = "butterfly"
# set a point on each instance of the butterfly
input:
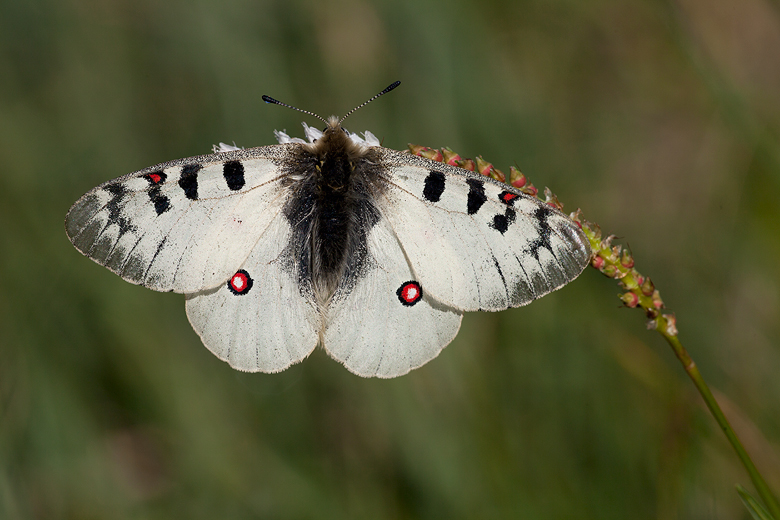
(373, 253)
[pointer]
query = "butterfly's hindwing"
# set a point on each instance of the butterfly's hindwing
(383, 324)
(182, 226)
(261, 319)
(474, 243)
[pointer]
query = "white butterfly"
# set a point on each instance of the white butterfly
(373, 253)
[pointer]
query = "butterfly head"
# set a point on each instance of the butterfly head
(336, 140)
(334, 126)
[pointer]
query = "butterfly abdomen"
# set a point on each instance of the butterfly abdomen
(332, 211)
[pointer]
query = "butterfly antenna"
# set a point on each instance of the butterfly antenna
(269, 99)
(385, 91)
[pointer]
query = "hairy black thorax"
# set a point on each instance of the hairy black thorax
(333, 183)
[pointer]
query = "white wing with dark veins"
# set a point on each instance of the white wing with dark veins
(474, 243)
(182, 226)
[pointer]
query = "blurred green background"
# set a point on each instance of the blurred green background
(659, 119)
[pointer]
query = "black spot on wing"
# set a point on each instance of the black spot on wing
(434, 186)
(502, 222)
(188, 181)
(156, 177)
(240, 283)
(409, 293)
(508, 198)
(542, 214)
(542, 241)
(115, 208)
(117, 191)
(233, 172)
(160, 201)
(476, 197)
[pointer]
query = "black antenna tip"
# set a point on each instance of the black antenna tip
(391, 87)
(269, 99)
(385, 91)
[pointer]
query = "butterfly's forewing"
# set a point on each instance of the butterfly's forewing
(384, 324)
(474, 243)
(262, 319)
(182, 226)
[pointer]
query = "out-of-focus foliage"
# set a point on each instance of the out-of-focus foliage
(660, 119)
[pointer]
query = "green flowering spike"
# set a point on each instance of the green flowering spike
(657, 302)
(630, 299)
(416, 149)
(467, 164)
(516, 177)
(648, 288)
(450, 157)
(610, 270)
(484, 167)
(618, 263)
(551, 199)
(498, 175)
(429, 153)
(626, 260)
(435, 155)
(488, 170)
